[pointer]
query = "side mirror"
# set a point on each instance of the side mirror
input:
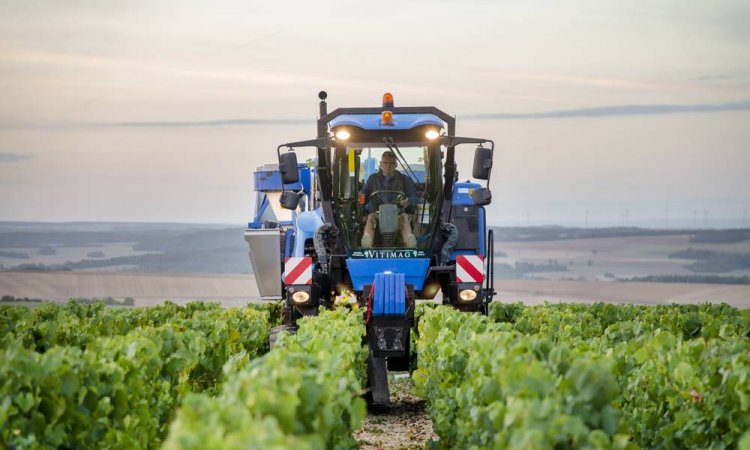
(288, 168)
(289, 200)
(482, 163)
(481, 196)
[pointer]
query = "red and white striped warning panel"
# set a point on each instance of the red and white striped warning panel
(298, 270)
(470, 269)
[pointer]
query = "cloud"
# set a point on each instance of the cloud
(618, 110)
(204, 123)
(712, 78)
(601, 111)
(584, 80)
(707, 83)
(12, 157)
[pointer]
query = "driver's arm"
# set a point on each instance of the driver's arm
(364, 195)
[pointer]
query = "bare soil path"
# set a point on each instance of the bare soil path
(405, 425)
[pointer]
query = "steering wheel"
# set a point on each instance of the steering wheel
(377, 198)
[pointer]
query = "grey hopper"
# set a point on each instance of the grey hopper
(265, 258)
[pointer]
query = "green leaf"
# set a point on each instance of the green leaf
(24, 401)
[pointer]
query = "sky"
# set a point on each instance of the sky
(603, 112)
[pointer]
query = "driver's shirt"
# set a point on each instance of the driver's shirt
(398, 182)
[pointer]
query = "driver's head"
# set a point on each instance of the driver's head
(388, 163)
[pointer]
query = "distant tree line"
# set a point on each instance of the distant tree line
(555, 233)
(109, 301)
(14, 255)
(47, 250)
(10, 298)
(709, 261)
(720, 236)
(705, 279)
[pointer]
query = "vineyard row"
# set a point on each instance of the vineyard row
(575, 376)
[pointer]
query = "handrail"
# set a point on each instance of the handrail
(490, 279)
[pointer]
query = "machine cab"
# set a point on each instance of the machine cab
(387, 180)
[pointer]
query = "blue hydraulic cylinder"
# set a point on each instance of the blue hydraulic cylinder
(389, 295)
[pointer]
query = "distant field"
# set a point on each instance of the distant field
(63, 254)
(236, 290)
(613, 257)
(145, 288)
(155, 248)
(149, 263)
(552, 253)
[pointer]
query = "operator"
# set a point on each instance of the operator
(389, 179)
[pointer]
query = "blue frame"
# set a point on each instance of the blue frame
(362, 270)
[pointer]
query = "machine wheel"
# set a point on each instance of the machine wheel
(378, 396)
(273, 334)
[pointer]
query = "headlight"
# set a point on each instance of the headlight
(467, 295)
(300, 297)
(343, 135)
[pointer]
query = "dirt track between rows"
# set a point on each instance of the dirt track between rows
(239, 289)
(405, 425)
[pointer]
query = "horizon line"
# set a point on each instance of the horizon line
(585, 113)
